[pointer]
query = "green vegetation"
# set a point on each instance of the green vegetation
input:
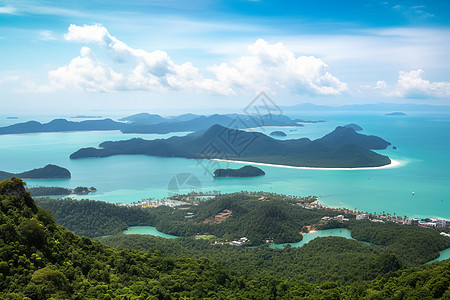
(40, 260)
(47, 172)
(95, 218)
(413, 244)
(40, 191)
(245, 171)
(341, 148)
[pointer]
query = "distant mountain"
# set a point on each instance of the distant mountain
(151, 123)
(144, 118)
(341, 148)
(61, 125)
(191, 123)
(355, 127)
(245, 171)
(47, 172)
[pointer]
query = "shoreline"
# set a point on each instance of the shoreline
(394, 164)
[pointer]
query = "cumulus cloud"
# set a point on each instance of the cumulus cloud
(86, 72)
(412, 85)
(271, 67)
(268, 67)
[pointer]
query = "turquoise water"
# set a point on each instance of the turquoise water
(339, 232)
(422, 140)
(444, 254)
(150, 230)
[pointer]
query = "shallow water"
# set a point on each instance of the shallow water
(423, 142)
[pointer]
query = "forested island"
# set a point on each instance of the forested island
(47, 172)
(245, 171)
(396, 114)
(342, 148)
(40, 191)
(278, 133)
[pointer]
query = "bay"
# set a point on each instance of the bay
(423, 141)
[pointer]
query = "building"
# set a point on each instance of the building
(362, 217)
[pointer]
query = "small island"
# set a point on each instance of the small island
(41, 191)
(246, 171)
(354, 126)
(397, 113)
(47, 172)
(278, 133)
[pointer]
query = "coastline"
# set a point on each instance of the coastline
(394, 164)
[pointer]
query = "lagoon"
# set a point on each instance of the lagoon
(149, 230)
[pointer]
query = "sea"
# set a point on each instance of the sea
(418, 187)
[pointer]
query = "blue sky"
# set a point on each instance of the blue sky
(217, 55)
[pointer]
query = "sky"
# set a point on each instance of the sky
(200, 55)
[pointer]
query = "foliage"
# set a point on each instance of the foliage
(40, 191)
(66, 266)
(95, 218)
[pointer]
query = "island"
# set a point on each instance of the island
(397, 113)
(151, 123)
(11, 118)
(278, 133)
(40, 191)
(342, 148)
(246, 171)
(355, 127)
(47, 172)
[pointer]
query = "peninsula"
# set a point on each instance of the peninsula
(47, 172)
(246, 171)
(342, 148)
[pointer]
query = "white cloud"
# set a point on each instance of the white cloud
(46, 35)
(412, 85)
(87, 73)
(7, 10)
(274, 67)
(269, 67)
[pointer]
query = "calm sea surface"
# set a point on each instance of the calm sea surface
(423, 142)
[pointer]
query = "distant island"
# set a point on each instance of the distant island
(278, 133)
(11, 118)
(41, 191)
(47, 172)
(354, 126)
(342, 148)
(397, 113)
(246, 171)
(151, 123)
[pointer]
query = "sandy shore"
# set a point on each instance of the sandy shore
(394, 164)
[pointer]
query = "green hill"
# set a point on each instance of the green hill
(47, 172)
(42, 260)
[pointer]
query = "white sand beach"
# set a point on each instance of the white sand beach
(394, 164)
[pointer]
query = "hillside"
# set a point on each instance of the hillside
(341, 148)
(47, 172)
(42, 260)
